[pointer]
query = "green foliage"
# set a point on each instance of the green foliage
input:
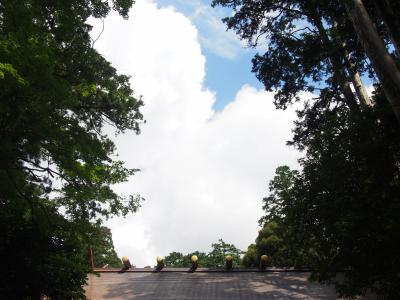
(348, 195)
(177, 260)
(8, 70)
(271, 241)
(214, 259)
(281, 191)
(303, 54)
(284, 245)
(103, 248)
(250, 258)
(339, 213)
(57, 94)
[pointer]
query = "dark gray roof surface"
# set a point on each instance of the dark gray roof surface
(206, 285)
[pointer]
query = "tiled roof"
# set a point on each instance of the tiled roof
(174, 284)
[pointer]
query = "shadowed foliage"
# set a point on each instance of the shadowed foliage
(339, 212)
(57, 165)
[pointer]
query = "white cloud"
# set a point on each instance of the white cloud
(215, 37)
(204, 173)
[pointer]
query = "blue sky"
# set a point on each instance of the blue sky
(226, 69)
(226, 76)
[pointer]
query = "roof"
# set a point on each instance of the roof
(205, 284)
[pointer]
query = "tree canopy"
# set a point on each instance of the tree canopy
(338, 213)
(319, 46)
(214, 259)
(57, 165)
(104, 255)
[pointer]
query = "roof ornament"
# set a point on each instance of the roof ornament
(160, 263)
(127, 263)
(194, 259)
(263, 262)
(228, 262)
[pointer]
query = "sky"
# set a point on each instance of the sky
(212, 138)
(228, 60)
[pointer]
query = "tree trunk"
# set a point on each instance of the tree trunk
(384, 65)
(390, 17)
(359, 87)
(361, 92)
(90, 258)
(337, 67)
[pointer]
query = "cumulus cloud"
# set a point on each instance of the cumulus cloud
(204, 173)
(215, 37)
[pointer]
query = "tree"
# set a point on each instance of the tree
(341, 206)
(103, 248)
(177, 260)
(387, 12)
(280, 237)
(338, 213)
(303, 53)
(56, 167)
(312, 45)
(384, 65)
(250, 258)
(203, 259)
(281, 193)
(43, 250)
(271, 241)
(215, 258)
(348, 194)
